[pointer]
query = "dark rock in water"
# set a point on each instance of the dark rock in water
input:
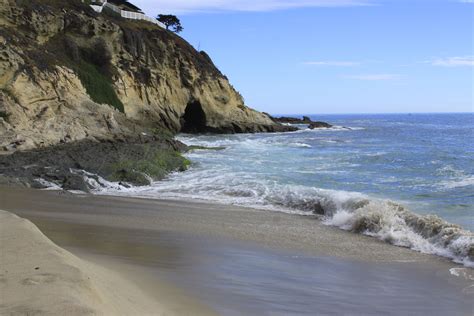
(314, 125)
(134, 161)
(75, 182)
(125, 184)
(304, 120)
(318, 209)
(128, 175)
(292, 120)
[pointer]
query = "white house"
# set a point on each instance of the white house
(126, 10)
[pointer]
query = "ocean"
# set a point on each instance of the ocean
(407, 179)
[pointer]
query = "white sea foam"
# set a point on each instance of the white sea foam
(47, 184)
(333, 129)
(350, 211)
(457, 183)
(462, 273)
(303, 145)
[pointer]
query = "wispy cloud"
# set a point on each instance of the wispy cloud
(373, 77)
(453, 61)
(332, 63)
(197, 6)
(466, 1)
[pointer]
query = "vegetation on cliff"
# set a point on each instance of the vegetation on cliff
(155, 165)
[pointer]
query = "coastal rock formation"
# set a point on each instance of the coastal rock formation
(314, 125)
(86, 164)
(68, 73)
(305, 120)
(292, 120)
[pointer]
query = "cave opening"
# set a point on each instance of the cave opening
(194, 118)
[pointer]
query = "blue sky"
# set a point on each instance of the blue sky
(337, 56)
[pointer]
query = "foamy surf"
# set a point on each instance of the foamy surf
(393, 223)
(352, 211)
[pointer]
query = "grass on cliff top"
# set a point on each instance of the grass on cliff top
(155, 165)
(97, 85)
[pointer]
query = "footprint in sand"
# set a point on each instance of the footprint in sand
(40, 278)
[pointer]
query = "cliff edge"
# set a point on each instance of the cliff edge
(68, 73)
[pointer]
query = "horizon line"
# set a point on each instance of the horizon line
(367, 113)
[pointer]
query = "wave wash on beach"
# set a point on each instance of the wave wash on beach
(403, 198)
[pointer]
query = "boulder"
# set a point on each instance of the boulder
(314, 125)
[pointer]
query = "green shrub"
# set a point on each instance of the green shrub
(162, 133)
(156, 166)
(97, 85)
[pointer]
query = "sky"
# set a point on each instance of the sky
(336, 56)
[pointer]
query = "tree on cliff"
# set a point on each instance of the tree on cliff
(170, 20)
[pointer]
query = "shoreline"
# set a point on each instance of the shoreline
(305, 232)
(309, 216)
(178, 240)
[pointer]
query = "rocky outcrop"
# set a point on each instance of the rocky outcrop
(305, 120)
(83, 165)
(68, 74)
(314, 125)
(292, 120)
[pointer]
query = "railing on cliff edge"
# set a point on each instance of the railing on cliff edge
(125, 14)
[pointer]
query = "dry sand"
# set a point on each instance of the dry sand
(39, 278)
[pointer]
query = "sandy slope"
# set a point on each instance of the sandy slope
(38, 277)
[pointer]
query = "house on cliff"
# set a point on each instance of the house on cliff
(122, 8)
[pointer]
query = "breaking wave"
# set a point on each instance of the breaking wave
(399, 226)
(352, 211)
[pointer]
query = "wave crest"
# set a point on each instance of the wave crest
(399, 226)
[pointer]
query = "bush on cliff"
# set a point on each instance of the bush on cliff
(93, 67)
(98, 86)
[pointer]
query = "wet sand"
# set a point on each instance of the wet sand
(238, 260)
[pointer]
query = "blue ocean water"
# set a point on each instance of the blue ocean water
(368, 174)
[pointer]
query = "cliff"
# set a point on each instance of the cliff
(69, 74)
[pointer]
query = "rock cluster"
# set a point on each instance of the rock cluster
(305, 120)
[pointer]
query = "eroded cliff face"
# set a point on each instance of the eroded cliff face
(67, 74)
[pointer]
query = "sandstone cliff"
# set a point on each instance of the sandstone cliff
(68, 73)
